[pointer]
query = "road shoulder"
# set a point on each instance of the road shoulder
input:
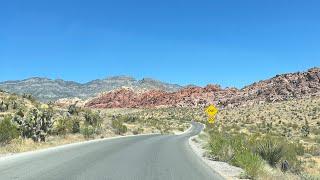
(224, 169)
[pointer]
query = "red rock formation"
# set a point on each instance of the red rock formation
(279, 88)
(186, 97)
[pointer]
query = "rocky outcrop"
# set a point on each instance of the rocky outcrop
(279, 88)
(190, 96)
(66, 102)
(283, 87)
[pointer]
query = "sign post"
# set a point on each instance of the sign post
(211, 111)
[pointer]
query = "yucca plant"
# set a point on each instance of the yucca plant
(271, 152)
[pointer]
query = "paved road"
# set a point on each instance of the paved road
(145, 157)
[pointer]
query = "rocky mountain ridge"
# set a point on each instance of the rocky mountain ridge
(279, 88)
(45, 89)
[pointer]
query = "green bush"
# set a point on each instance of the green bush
(73, 110)
(250, 162)
(236, 150)
(118, 127)
(180, 129)
(220, 147)
(67, 125)
(292, 150)
(88, 131)
(270, 151)
(92, 118)
(75, 124)
(305, 129)
(129, 119)
(62, 127)
(8, 131)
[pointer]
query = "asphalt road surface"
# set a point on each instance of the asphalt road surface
(144, 157)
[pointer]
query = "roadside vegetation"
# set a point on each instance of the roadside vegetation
(268, 141)
(261, 157)
(26, 124)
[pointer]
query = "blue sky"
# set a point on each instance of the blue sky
(232, 43)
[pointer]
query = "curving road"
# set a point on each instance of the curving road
(143, 157)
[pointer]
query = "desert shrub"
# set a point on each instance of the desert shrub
(166, 130)
(129, 119)
(250, 162)
(292, 151)
(73, 110)
(88, 131)
(217, 145)
(305, 129)
(236, 150)
(92, 118)
(67, 125)
(269, 127)
(276, 149)
(62, 127)
(223, 145)
(180, 129)
(295, 126)
(118, 127)
(296, 148)
(317, 139)
(20, 113)
(8, 131)
(29, 97)
(75, 124)
(270, 151)
(138, 131)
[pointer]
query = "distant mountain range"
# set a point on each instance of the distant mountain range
(45, 89)
(127, 92)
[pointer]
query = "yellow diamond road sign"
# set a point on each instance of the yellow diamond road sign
(211, 120)
(211, 110)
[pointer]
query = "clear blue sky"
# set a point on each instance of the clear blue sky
(232, 43)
